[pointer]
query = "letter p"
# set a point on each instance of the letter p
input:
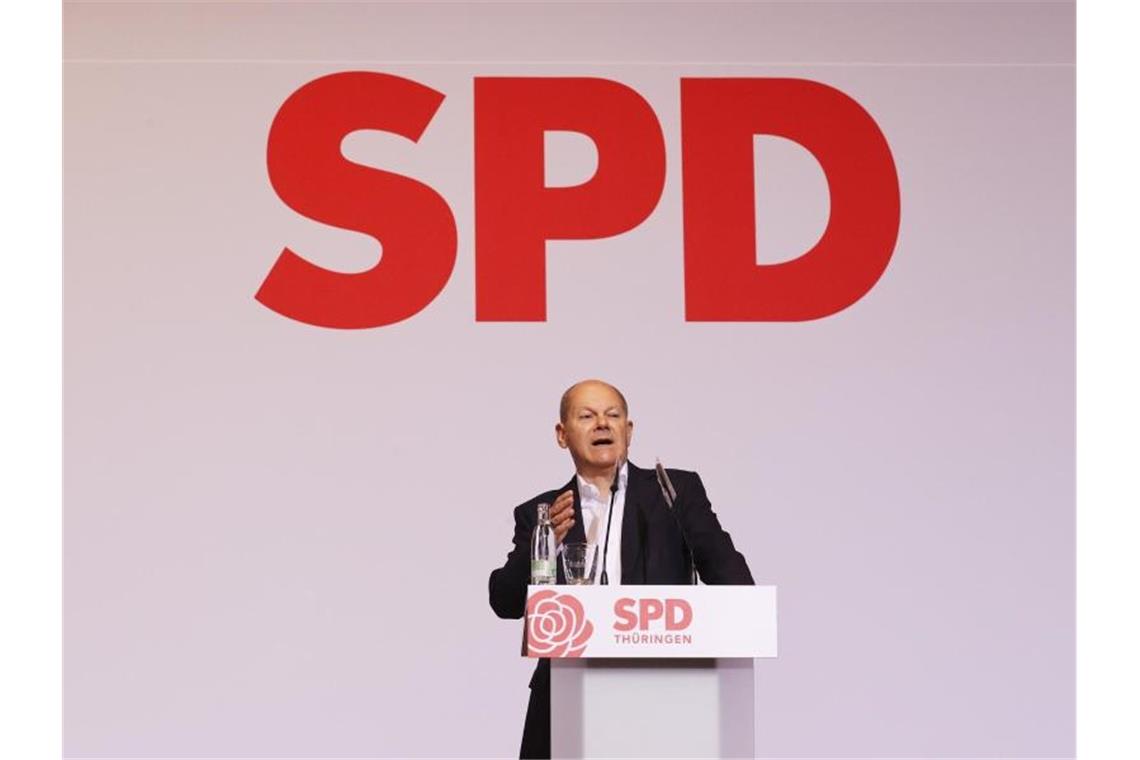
(515, 213)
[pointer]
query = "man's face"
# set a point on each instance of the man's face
(597, 429)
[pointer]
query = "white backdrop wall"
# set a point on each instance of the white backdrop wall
(278, 536)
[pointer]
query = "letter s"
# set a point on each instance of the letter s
(627, 618)
(311, 175)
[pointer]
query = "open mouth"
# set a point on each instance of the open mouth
(603, 442)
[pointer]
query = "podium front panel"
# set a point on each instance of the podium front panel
(626, 708)
(650, 621)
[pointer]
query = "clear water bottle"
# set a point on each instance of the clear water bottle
(542, 549)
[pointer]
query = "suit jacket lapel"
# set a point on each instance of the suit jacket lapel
(633, 528)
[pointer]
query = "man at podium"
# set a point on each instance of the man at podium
(649, 545)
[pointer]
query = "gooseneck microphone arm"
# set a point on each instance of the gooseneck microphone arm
(609, 521)
(670, 495)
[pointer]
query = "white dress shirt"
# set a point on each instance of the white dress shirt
(594, 523)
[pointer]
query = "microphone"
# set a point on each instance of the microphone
(609, 521)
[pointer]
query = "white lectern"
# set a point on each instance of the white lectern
(651, 671)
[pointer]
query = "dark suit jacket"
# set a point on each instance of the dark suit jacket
(652, 552)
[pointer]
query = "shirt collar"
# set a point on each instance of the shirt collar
(587, 490)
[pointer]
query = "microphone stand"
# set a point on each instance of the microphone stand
(609, 521)
(670, 495)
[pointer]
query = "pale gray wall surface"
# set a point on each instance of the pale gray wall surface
(278, 537)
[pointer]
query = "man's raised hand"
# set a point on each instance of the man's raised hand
(562, 515)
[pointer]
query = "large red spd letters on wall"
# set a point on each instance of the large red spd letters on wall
(516, 213)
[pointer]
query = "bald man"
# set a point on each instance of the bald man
(646, 545)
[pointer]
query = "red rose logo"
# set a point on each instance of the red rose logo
(556, 625)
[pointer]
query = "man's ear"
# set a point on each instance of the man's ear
(628, 432)
(560, 435)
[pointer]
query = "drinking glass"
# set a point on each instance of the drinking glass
(579, 562)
